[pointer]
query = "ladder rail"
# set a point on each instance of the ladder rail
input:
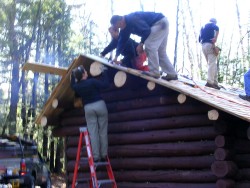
(77, 161)
(110, 173)
(94, 183)
(90, 158)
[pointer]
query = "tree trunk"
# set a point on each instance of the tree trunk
(240, 31)
(14, 56)
(199, 66)
(176, 33)
(45, 142)
(59, 150)
(52, 156)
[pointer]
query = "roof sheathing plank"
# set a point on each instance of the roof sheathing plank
(37, 67)
(226, 102)
(59, 91)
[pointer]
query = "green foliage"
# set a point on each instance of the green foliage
(231, 71)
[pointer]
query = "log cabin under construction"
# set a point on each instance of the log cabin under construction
(161, 134)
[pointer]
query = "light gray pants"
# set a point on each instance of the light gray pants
(155, 47)
(96, 115)
(211, 58)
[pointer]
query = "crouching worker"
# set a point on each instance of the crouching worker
(95, 109)
(131, 58)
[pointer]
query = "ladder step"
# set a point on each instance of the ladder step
(107, 181)
(101, 163)
(82, 159)
(83, 180)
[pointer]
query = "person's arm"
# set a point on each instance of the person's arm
(127, 61)
(129, 52)
(123, 38)
(143, 28)
(214, 40)
(111, 46)
(200, 35)
(216, 34)
(103, 81)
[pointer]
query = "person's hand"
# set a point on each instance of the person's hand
(214, 40)
(103, 68)
(139, 48)
(115, 60)
(118, 62)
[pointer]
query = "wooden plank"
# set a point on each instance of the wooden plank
(202, 83)
(44, 68)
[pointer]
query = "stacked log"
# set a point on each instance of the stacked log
(231, 165)
(242, 155)
(224, 168)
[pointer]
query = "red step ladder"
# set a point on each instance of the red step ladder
(93, 182)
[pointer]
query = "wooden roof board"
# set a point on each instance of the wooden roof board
(226, 102)
(63, 92)
(44, 68)
(60, 92)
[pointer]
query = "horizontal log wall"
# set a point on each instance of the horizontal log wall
(154, 141)
(231, 165)
(241, 154)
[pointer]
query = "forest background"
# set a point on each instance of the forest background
(56, 32)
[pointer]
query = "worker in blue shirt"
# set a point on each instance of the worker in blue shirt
(247, 86)
(208, 37)
(96, 113)
(153, 28)
(131, 58)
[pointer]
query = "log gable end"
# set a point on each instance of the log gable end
(159, 139)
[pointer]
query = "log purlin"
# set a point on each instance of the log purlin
(168, 176)
(155, 150)
(154, 163)
(70, 126)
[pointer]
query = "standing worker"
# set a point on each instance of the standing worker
(208, 37)
(153, 28)
(96, 112)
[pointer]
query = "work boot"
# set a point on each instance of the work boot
(215, 86)
(245, 97)
(170, 77)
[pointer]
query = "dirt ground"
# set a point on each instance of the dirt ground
(58, 180)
